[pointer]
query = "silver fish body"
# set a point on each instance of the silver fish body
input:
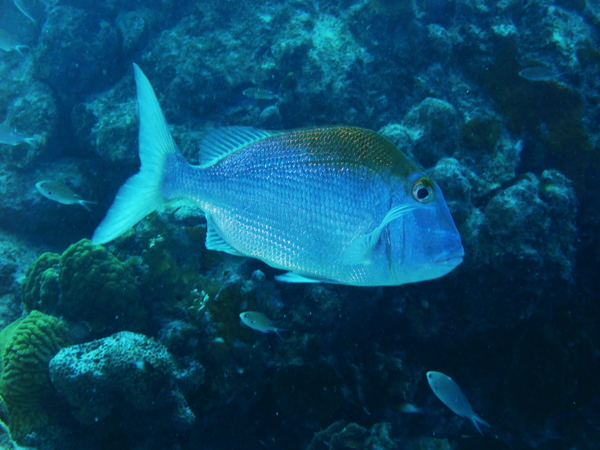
(260, 94)
(332, 204)
(453, 397)
(259, 322)
(539, 73)
(10, 136)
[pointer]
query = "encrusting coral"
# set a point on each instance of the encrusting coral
(26, 347)
(86, 283)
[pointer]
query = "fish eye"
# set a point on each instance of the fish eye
(423, 191)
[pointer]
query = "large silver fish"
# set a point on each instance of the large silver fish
(333, 204)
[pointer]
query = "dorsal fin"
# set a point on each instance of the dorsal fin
(222, 142)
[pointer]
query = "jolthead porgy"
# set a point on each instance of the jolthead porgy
(332, 204)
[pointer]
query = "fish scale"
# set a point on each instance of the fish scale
(259, 194)
(338, 204)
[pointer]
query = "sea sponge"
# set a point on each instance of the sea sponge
(86, 283)
(26, 347)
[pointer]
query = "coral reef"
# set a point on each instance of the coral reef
(517, 161)
(341, 435)
(119, 373)
(432, 125)
(88, 284)
(26, 347)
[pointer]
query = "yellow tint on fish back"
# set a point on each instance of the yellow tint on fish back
(352, 146)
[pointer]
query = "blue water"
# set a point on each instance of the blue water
(515, 325)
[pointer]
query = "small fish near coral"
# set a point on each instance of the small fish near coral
(334, 204)
(55, 190)
(10, 136)
(452, 396)
(539, 73)
(259, 322)
(260, 94)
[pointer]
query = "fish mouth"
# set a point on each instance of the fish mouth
(451, 258)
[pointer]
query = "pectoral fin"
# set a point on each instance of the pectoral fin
(361, 249)
(291, 277)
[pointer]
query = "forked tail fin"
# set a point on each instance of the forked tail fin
(142, 193)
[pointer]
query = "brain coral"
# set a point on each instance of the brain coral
(26, 346)
(121, 372)
(86, 283)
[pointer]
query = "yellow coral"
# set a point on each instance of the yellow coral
(26, 347)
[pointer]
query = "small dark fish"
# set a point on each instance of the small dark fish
(410, 408)
(539, 73)
(260, 94)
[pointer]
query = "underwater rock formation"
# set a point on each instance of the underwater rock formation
(521, 245)
(122, 372)
(342, 435)
(32, 111)
(74, 49)
(432, 125)
(26, 347)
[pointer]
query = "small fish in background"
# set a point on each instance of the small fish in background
(452, 396)
(539, 73)
(21, 6)
(8, 43)
(260, 94)
(410, 408)
(519, 146)
(10, 136)
(259, 322)
(55, 190)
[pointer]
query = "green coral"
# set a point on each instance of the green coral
(26, 347)
(481, 133)
(86, 283)
(41, 282)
